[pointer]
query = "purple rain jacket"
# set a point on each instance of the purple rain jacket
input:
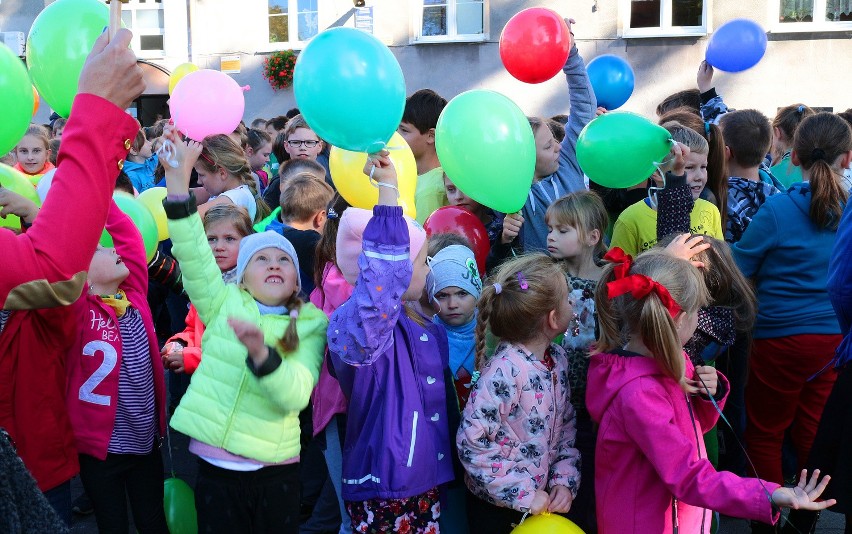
(392, 371)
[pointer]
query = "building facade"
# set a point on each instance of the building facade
(452, 45)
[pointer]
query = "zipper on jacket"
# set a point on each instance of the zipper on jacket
(413, 440)
(233, 413)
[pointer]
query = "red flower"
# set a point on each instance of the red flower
(423, 504)
(281, 73)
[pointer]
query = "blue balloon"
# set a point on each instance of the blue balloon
(350, 89)
(736, 46)
(612, 79)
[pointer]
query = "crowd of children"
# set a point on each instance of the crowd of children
(350, 373)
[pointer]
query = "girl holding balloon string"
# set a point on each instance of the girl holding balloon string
(262, 350)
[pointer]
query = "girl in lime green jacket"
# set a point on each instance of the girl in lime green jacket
(262, 352)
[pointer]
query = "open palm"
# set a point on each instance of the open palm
(804, 496)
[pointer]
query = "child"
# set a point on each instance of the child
(257, 152)
(783, 128)
(499, 238)
(556, 169)
(453, 286)
(392, 364)
(289, 169)
(141, 163)
(225, 227)
(226, 176)
(328, 401)
(32, 153)
(748, 138)
(786, 250)
(651, 406)
(636, 228)
(304, 201)
(116, 390)
(240, 412)
(417, 127)
(516, 440)
(57, 128)
(300, 144)
(576, 224)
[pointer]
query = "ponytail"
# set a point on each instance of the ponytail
(482, 316)
(289, 342)
(819, 141)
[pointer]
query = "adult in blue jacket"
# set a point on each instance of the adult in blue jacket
(786, 250)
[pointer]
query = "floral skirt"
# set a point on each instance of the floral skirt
(414, 515)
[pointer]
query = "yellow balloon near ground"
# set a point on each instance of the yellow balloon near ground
(547, 524)
(347, 172)
(16, 182)
(152, 199)
(180, 71)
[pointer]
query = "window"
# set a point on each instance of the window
(293, 21)
(811, 15)
(663, 18)
(450, 20)
(145, 19)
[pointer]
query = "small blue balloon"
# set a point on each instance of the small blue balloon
(736, 46)
(612, 79)
(350, 89)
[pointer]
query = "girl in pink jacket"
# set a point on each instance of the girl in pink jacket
(652, 474)
(516, 439)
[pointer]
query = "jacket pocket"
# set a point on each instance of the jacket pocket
(413, 439)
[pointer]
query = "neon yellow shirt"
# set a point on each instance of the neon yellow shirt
(635, 230)
(429, 194)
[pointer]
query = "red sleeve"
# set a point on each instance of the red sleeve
(46, 266)
(129, 245)
(191, 359)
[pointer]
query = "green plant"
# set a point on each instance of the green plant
(278, 69)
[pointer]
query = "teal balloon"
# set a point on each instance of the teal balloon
(16, 99)
(486, 147)
(621, 149)
(59, 42)
(143, 220)
(350, 89)
(179, 504)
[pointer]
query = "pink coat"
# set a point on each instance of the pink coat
(328, 399)
(94, 358)
(518, 428)
(650, 454)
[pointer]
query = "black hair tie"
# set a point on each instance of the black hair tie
(817, 154)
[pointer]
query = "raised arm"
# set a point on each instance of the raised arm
(583, 108)
(46, 266)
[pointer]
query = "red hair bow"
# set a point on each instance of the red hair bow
(638, 285)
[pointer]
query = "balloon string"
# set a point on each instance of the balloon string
(169, 445)
(168, 153)
(652, 191)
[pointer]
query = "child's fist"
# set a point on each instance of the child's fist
(540, 502)
(511, 227)
(560, 500)
(705, 77)
(678, 155)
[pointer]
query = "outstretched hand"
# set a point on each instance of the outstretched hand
(186, 153)
(804, 496)
(705, 77)
(252, 337)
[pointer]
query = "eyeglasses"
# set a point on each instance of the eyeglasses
(298, 143)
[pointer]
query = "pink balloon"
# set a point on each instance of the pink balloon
(207, 102)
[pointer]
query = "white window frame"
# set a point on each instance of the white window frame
(452, 35)
(132, 6)
(776, 26)
(292, 26)
(665, 29)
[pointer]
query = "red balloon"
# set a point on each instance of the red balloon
(459, 221)
(535, 44)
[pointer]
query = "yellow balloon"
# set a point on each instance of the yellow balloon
(152, 199)
(347, 172)
(546, 523)
(16, 182)
(180, 71)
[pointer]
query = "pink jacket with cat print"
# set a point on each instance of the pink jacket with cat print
(518, 428)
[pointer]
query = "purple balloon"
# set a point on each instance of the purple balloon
(736, 46)
(207, 102)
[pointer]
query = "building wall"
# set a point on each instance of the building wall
(809, 67)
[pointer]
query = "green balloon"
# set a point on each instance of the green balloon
(143, 220)
(16, 99)
(179, 504)
(16, 182)
(621, 149)
(486, 146)
(59, 42)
